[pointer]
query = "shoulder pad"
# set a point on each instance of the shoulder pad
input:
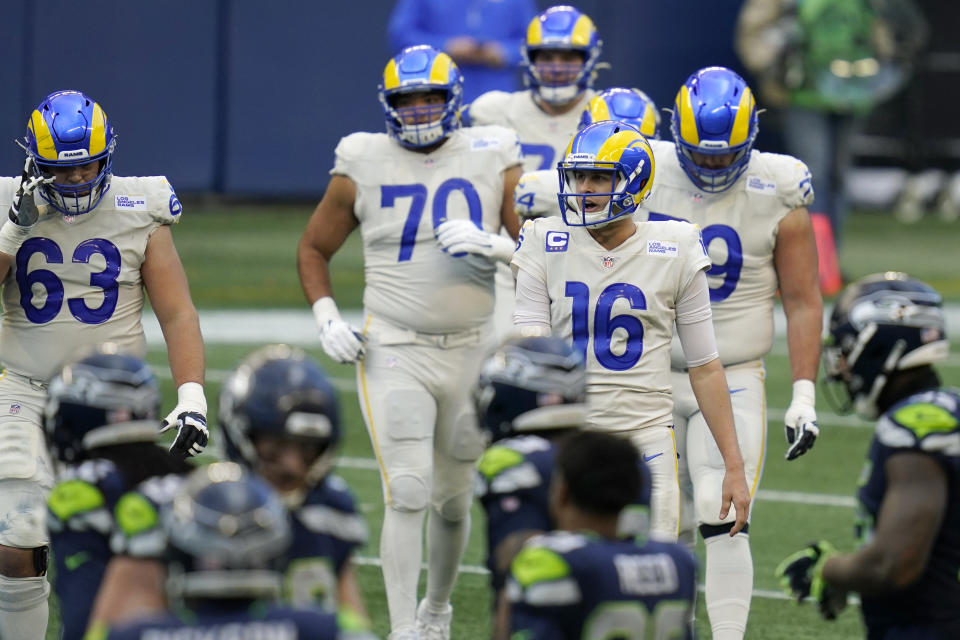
(484, 108)
(927, 421)
(498, 458)
(135, 514)
(318, 518)
(73, 497)
(543, 577)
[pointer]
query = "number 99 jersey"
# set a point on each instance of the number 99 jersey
(402, 197)
(76, 281)
(739, 227)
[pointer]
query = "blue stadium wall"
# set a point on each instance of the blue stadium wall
(249, 98)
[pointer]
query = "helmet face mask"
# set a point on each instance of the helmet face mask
(626, 105)
(604, 153)
(67, 131)
(410, 80)
(714, 114)
(551, 71)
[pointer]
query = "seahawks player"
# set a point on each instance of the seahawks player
(101, 425)
(78, 251)
(886, 332)
(616, 288)
(581, 581)
(430, 199)
(227, 531)
(751, 208)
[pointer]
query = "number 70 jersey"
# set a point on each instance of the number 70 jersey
(402, 197)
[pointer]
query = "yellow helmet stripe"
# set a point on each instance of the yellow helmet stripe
(582, 31)
(612, 148)
(391, 77)
(41, 133)
(741, 123)
(688, 124)
(599, 110)
(440, 70)
(534, 33)
(98, 131)
(648, 126)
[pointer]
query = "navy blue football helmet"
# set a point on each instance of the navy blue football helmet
(280, 391)
(882, 323)
(529, 384)
(104, 398)
(227, 532)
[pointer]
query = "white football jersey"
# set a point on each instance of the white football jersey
(739, 228)
(75, 281)
(543, 138)
(402, 196)
(619, 307)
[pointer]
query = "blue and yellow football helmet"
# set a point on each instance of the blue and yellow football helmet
(419, 69)
(714, 114)
(68, 129)
(614, 148)
(564, 28)
(626, 105)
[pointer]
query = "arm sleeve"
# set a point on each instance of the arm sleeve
(532, 302)
(695, 322)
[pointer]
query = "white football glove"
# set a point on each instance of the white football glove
(457, 237)
(339, 340)
(23, 212)
(189, 417)
(801, 420)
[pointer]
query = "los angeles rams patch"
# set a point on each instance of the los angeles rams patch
(131, 203)
(759, 185)
(484, 143)
(556, 241)
(664, 248)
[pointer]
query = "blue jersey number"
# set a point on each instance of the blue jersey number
(729, 269)
(418, 198)
(604, 324)
(543, 151)
(105, 280)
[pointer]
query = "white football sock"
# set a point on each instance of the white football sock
(401, 542)
(446, 542)
(729, 584)
(23, 607)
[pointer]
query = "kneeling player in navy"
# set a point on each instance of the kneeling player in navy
(583, 582)
(886, 330)
(227, 531)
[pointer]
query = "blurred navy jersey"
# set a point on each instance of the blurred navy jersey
(326, 530)
(565, 585)
(929, 423)
(85, 516)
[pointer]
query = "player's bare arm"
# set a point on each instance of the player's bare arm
(349, 597)
(508, 217)
(327, 230)
(909, 521)
(131, 588)
(713, 396)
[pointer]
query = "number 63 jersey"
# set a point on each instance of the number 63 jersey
(402, 197)
(739, 228)
(75, 281)
(619, 308)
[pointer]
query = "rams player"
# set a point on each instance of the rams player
(616, 288)
(80, 248)
(626, 105)
(430, 199)
(886, 332)
(751, 208)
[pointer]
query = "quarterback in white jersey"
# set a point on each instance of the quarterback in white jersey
(430, 199)
(751, 208)
(616, 288)
(76, 254)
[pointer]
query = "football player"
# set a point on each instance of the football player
(626, 105)
(226, 532)
(427, 311)
(751, 209)
(616, 288)
(101, 424)
(281, 417)
(582, 581)
(886, 332)
(77, 252)
(535, 196)
(560, 55)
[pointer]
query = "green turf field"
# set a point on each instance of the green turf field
(245, 258)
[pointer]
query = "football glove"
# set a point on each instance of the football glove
(339, 340)
(189, 418)
(458, 237)
(801, 576)
(23, 212)
(800, 421)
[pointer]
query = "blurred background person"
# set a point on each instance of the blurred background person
(482, 36)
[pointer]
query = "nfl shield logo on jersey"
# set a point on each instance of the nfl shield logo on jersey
(607, 262)
(15, 408)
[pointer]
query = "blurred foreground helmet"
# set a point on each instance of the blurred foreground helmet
(535, 195)
(531, 384)
(421, 69)
(566, 29)
(65, 130)
(880, 324)
(626, 105)
(104, 398)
